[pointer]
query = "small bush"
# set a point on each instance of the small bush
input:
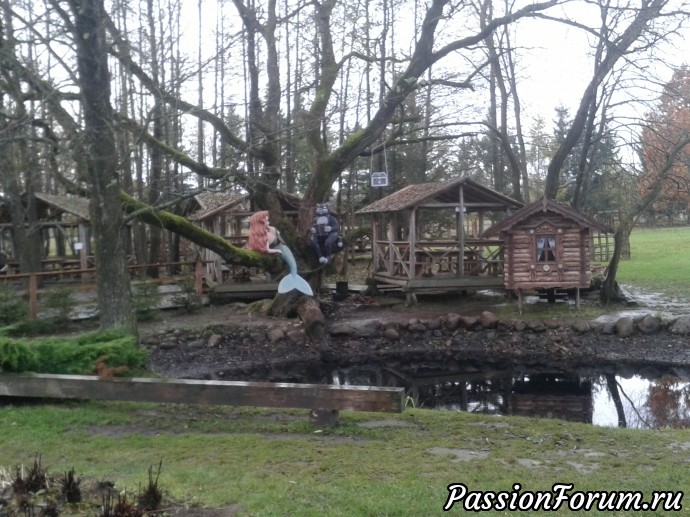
(146, 299)
(60, 303)
(187, 297)
(15, 356)
(12, 307)
(26, 328)
(76, 355)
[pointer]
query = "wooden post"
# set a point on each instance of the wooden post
(199, 276)
(412, 238)
(390, 232)
(33, 296)
(461, 230)
(84, 251)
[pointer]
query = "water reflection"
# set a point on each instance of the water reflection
(601, 399)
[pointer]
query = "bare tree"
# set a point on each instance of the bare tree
(614, 43)
(112, 274)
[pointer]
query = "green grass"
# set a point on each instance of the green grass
(660, 261)
(273, 462)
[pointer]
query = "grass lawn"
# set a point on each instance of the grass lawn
(273, 463)
(660, 262)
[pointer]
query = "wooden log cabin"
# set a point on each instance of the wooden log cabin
(547, 246)
(427, 237)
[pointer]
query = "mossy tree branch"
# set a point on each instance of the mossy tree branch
(179, 225)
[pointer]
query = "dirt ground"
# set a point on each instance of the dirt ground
(230, 343)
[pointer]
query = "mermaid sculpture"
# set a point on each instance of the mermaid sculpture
(264, 238)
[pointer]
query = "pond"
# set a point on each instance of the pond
(632, 400)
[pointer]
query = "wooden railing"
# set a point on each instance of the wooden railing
(480, 257)
(33, 280)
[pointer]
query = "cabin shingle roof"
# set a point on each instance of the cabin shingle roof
(545, 205)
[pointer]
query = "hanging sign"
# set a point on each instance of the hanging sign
(379, 179)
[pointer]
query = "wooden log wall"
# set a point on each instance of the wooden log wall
(572, 267)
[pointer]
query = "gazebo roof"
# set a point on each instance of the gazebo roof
(545, 205)
(476, 197)
(211, 203)
(75, 205)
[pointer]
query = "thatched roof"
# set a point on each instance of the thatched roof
(545, 205)
(475, 197)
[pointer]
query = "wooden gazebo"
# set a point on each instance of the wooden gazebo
(65, 232)
(547, 246)
(427, 237)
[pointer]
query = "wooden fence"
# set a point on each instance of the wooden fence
(32, 281)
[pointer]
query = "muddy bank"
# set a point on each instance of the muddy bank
(276, 350)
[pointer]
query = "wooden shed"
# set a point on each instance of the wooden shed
(547, 246)
(427, 237)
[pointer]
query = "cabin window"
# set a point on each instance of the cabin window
(546, 248)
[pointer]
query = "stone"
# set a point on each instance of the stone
(365, 328)
(519, 325)
(296, 336)
(417, 327)
(391, 334)
(275, 334)
(681, 326)
(581, 327)
(452, 321)
(649, 324)
(469, 322)
(552, 324)
(608, 328)
(536, 326)
(624, 326)
(488, 320)
(433, 325)
(214, 340)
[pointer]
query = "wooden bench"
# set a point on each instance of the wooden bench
(324, 400)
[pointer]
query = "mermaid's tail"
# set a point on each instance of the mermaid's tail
(292, 280)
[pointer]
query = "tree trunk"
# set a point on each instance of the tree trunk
(112, 275)
(610, 291)
(616, 396)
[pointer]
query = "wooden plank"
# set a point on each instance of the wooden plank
(244, 287)
(188, 391)
(455, 283)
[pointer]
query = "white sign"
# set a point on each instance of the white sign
(379, 179)
(78, 246)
